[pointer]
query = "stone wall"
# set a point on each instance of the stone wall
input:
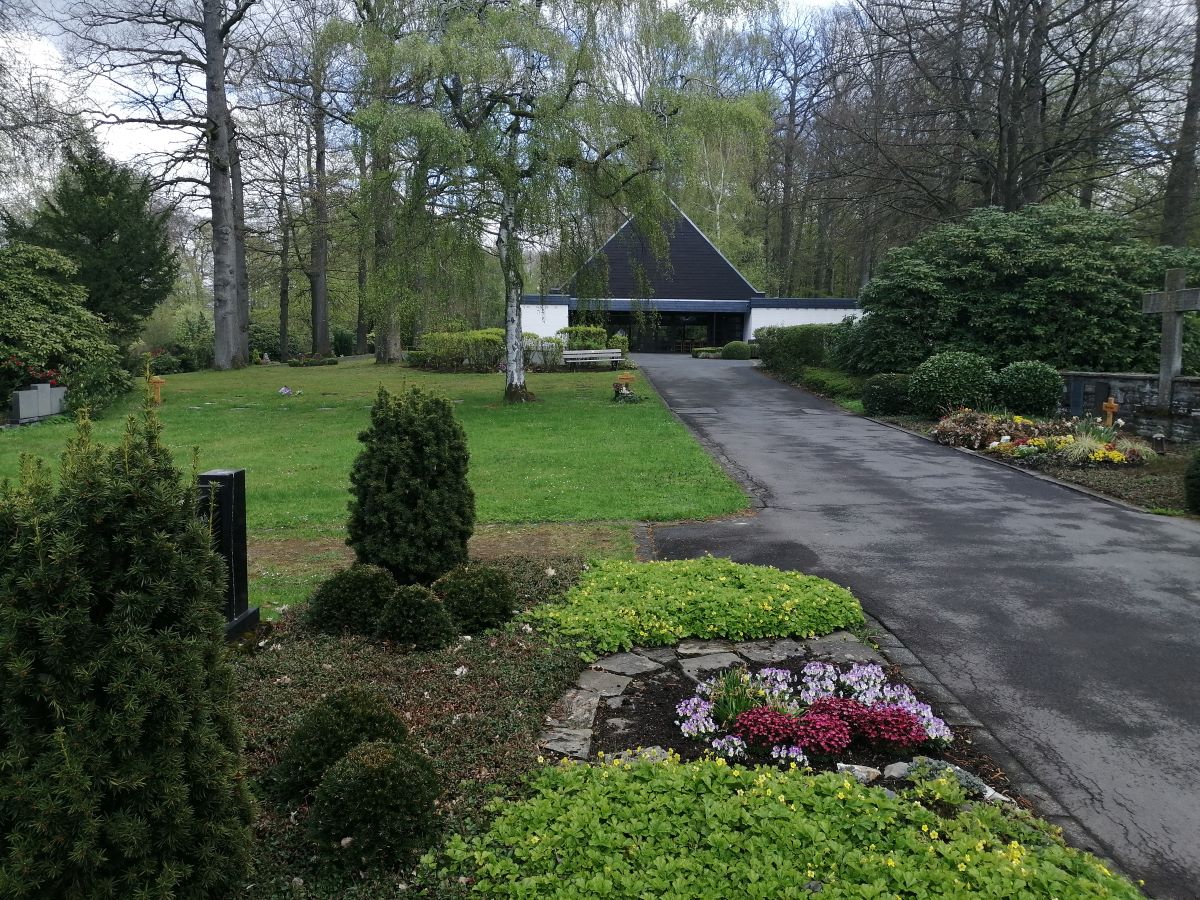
(1137, 394)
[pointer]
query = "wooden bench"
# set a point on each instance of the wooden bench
(574, 357)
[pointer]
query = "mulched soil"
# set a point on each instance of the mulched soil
(645, 717)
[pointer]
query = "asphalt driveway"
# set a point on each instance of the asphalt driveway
(1067, 625)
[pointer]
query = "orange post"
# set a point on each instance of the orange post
(156, 384)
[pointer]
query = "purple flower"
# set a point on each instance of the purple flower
(730, 747)
(789, 754)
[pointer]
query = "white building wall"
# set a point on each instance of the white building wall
(771, 318)
(544, 321)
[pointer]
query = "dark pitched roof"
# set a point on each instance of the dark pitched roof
(693, 268)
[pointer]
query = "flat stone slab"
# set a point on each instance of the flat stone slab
(606, 684)
(769, 651)
(578, 709)
(695, 667)
(842, 645)
(698, 648)
(627, 664)
(573, 742)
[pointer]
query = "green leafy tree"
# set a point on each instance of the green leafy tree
(412, 510)
(44, 325)
(118, 738)
(1056, 284)
(99, 215)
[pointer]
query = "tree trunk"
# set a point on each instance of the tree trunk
(220, 190)
(387, 344)
(1181, 178)
(319, 258)
(284, 272)
(242, 354)
(360, 330)
(509, 249)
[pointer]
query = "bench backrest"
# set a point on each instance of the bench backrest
(591, 354)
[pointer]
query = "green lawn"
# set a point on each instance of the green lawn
(575, 457)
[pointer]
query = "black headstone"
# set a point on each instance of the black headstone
(223, 497)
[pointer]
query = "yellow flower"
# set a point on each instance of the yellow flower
(962, 867)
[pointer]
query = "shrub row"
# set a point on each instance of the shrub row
(955, 379)
(481, 351)
(831, 383)
(785, 351)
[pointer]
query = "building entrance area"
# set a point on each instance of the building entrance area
(675, 332)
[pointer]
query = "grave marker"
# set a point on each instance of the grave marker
(1171, 303)
(223, 498)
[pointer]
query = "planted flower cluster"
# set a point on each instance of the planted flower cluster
(1075, 441)
(821, 711)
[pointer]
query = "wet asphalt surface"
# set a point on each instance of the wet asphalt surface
(1069, 626)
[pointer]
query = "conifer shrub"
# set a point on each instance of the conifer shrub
(412, 510)
(350, 601)
(414, 615)
(1191, 484)
(949, 380)
(327, 730)
(1029, 387)
(478, 597)
(119, 744)
(736, 350)
(376, 805)
(886, 395)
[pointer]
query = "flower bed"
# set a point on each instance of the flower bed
(618, 605)
(1071, 442)
(819, 713)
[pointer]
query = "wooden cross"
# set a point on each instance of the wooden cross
(1110, 407)
(1171, 304)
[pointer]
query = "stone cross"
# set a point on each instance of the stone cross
(1171, 304)
(1110, 407)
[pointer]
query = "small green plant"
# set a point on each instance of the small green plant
(736, 350)
(376, 805)
(478, 597)
(350, 600)
(831, 383)
(619, 342)
(1191, 484)
(949, 380)
(413, 615)
(412, 510)
(886, 395)
(733, 694)
(326, 731)
(1028, 387)
(618, 605)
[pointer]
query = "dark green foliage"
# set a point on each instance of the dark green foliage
(785, 351)
(1029, 387)
(950, 380)
(886, 395)
(343, 341)
(326, 731)
(831, 383)
(736, 350)
(161, 363)
(350, 601)
(43, 323)
(119, 743)
(412, 511)
(99, 215)
(619, 342)
(264, 338)
(380, 796)
(478, 597)
(1058, 284)
(1191, 484)
(414, 615)
(869, 345)
(193, 343)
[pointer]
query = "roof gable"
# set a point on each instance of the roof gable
(693, 269)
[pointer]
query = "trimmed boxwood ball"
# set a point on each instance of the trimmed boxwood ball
(351, 600)
(478, 597)
(414, 615)
(412, 510)
(736, 350)
(376, 805)
(326, 731)
(1029, 387)
(886, 395)
(1191, 484)
(949, 380)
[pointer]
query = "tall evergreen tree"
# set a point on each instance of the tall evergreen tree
(119, 745)
(99, 215)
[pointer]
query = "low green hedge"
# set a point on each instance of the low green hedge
(618, 604)
(831, 383)
(691, 831)
(584, 337)
(736, 350)
(886, 395)
(787, 350)
(461, 351)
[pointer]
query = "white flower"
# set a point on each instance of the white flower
(460, 671)
(1120, 423)
(1004, 439)
(527, 628)
(993, 444)
(551, 572)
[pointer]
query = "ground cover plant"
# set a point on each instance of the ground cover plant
(618, 605)
(815, 714)
(616, 830)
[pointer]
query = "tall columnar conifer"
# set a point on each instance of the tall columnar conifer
(412, 509)
(119, 746)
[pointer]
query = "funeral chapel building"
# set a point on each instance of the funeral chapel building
(692, 297)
